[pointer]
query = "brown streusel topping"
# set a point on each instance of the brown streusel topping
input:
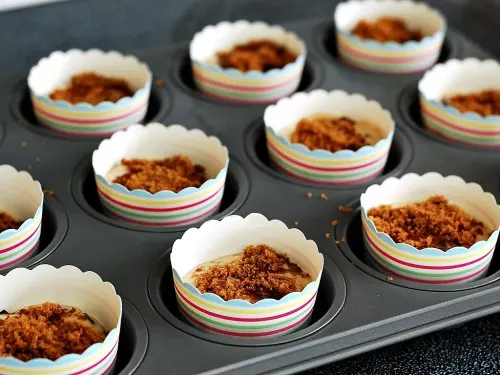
(432, 223)
(386, 29)
(8, 222)
(46, 331)
(93, 88)
(484, 103)
(258, 274)
(174, 174)
(260, 55)
(327, 133)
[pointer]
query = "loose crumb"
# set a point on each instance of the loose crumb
(8, 222)
(390, 278)
(344, 209)
(258, 274)
(328, 133)
(259, 55)
(338, 242)
(309, 194)
(484, 103)
(323, 196)
(296, 223)
(48, 192)
(47, 331)
(173, 174)
(335, 222)
(327, 235)
(93, 88)
(24, 144)
(432, 223)
(386, 29)
(159, 83)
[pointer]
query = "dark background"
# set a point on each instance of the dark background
(28, 34)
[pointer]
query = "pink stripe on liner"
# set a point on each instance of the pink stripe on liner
(339, 183)
(98, 363)
(460, 141)
(23, 241)
(401, 72)
(246, 320)
(247, 334)
(89, 121)
(427, 267)
(463, 278)
(245, 88)
(147, 209)
(341, 169)
(24, 257)
(456, 127)
(165, 224)
(384, 59)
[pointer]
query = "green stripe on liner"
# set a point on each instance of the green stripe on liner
(333, 176)
(457, 134)
(92, 128)
(247, 94)
(238, 327)
(126, 212)
(21, 249)
(403, 270)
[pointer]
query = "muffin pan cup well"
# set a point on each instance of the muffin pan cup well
(389, 57)
(355, 310)
(66, 286)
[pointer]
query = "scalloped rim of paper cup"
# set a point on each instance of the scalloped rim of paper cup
(468, 63)
(423, 7)
(251, 219)
(122, 135)
(209, 31)
(77, 53)
(18, 272)
(23, 177)
(306, 98)
(409, 179)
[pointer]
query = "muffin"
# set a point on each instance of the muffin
(60, 321)
(331, 138)
(160, 175)
(460, 101)
(238, 268)
(89, 93)
(247, 62)
(430, 229)
(389, 36)
(21, 207)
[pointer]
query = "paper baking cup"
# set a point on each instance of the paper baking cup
(71, 287)
(84, 119)
(231, 84)
(343, 167)
(22, 198)
(164, 208)
(431, 266)
(460, 77)
(389, 57)
(265, 318)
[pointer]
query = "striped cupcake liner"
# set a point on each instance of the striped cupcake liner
(430, 266)
(19, 244)
(164, 208)
(265, 318)
(343, 167)
(454, 77)
(391, 57)
(23, 287)
(231, 85)
(83, 119)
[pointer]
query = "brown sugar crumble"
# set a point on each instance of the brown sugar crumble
(432, 223)
(327, 133)
(484, 103)
(8, 222)
(260, 55)
(47, 331)
(93, 88)
(386, 29)
(174, 174)
(259, 273)
(344, 209)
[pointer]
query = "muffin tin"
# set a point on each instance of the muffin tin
(358, 308)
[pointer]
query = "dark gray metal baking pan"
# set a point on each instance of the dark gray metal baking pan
(357, 310)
